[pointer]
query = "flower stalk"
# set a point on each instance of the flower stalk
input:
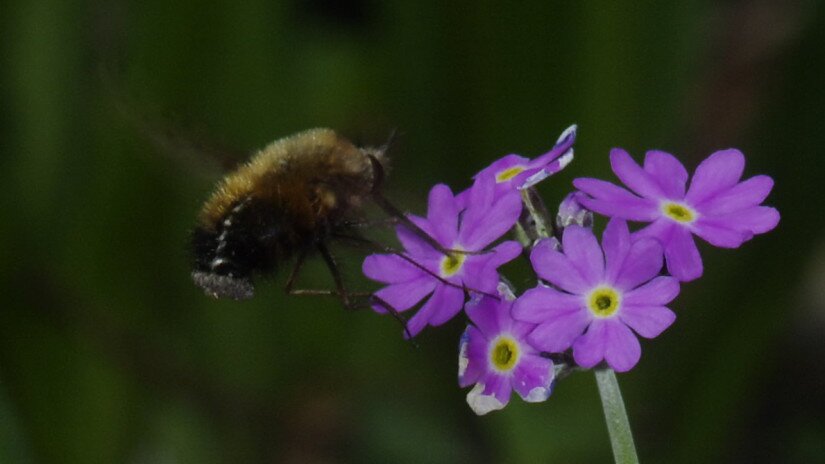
(536, 223)
(621, 438)
(618, 426)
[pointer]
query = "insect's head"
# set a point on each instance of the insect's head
(379, 160)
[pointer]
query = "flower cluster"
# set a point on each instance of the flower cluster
(593, 299)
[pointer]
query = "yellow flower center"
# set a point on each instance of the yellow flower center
(451, 264)
(504, 353)
(509, 173)
(604, 302)
(678, 212)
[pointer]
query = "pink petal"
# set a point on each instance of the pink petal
(505, 252)
(668, 172)
(719, 172)
(541, 303)
(588, 350)
(494, 221)
(503, 164)
(479, 200)
(533, 378)
(442, 214)
(498, 386)
(647, 321)
(412, 242)
(622, 350)
(639, 180)
(557, 158)
(480, 272)
(452, 300)
(603, 190)
(611, 200)
(659, 230)
(533, 176)
(643, 262)
(389, 269)
(558, 331)
(438, 303)
(520, 329)
(683, 260)
(481, 403)
(616, 244)
(659, 291)
(741, 196)
(718, 234)
(562, 146)
(485, 313)
(583, 250)
(403, 296)
(631, 211)
(556, 268)
(757, 219)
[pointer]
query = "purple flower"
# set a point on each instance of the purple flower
(717, 207)
(444, 277)
(514, 172)
(496, 357)
(598, 297)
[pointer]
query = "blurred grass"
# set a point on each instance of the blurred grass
(108, 353)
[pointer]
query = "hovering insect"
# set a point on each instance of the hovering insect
(286, 199)
(289, 199)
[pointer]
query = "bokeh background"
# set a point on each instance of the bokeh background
(111, 115)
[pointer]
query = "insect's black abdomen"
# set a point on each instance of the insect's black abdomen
(247, 241)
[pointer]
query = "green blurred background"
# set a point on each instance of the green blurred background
(108, 352)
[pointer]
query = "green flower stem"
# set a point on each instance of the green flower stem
(537, 224)
(621, 438)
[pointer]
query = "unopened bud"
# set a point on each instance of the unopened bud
(572, 212)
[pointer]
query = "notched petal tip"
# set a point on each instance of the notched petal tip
(482, 404)
(539, 394)
(569, 134)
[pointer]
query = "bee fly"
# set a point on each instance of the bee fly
(289, 199)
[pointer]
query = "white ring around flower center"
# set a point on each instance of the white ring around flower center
(604, 301)
(504, 353)
(452, 264)
(678, 212)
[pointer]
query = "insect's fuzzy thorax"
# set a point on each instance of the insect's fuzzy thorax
(310, 174)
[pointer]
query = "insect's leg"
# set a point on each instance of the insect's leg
(385, 222)
(332, 265)
(293, 277)
(395, 314)
(345, 295)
